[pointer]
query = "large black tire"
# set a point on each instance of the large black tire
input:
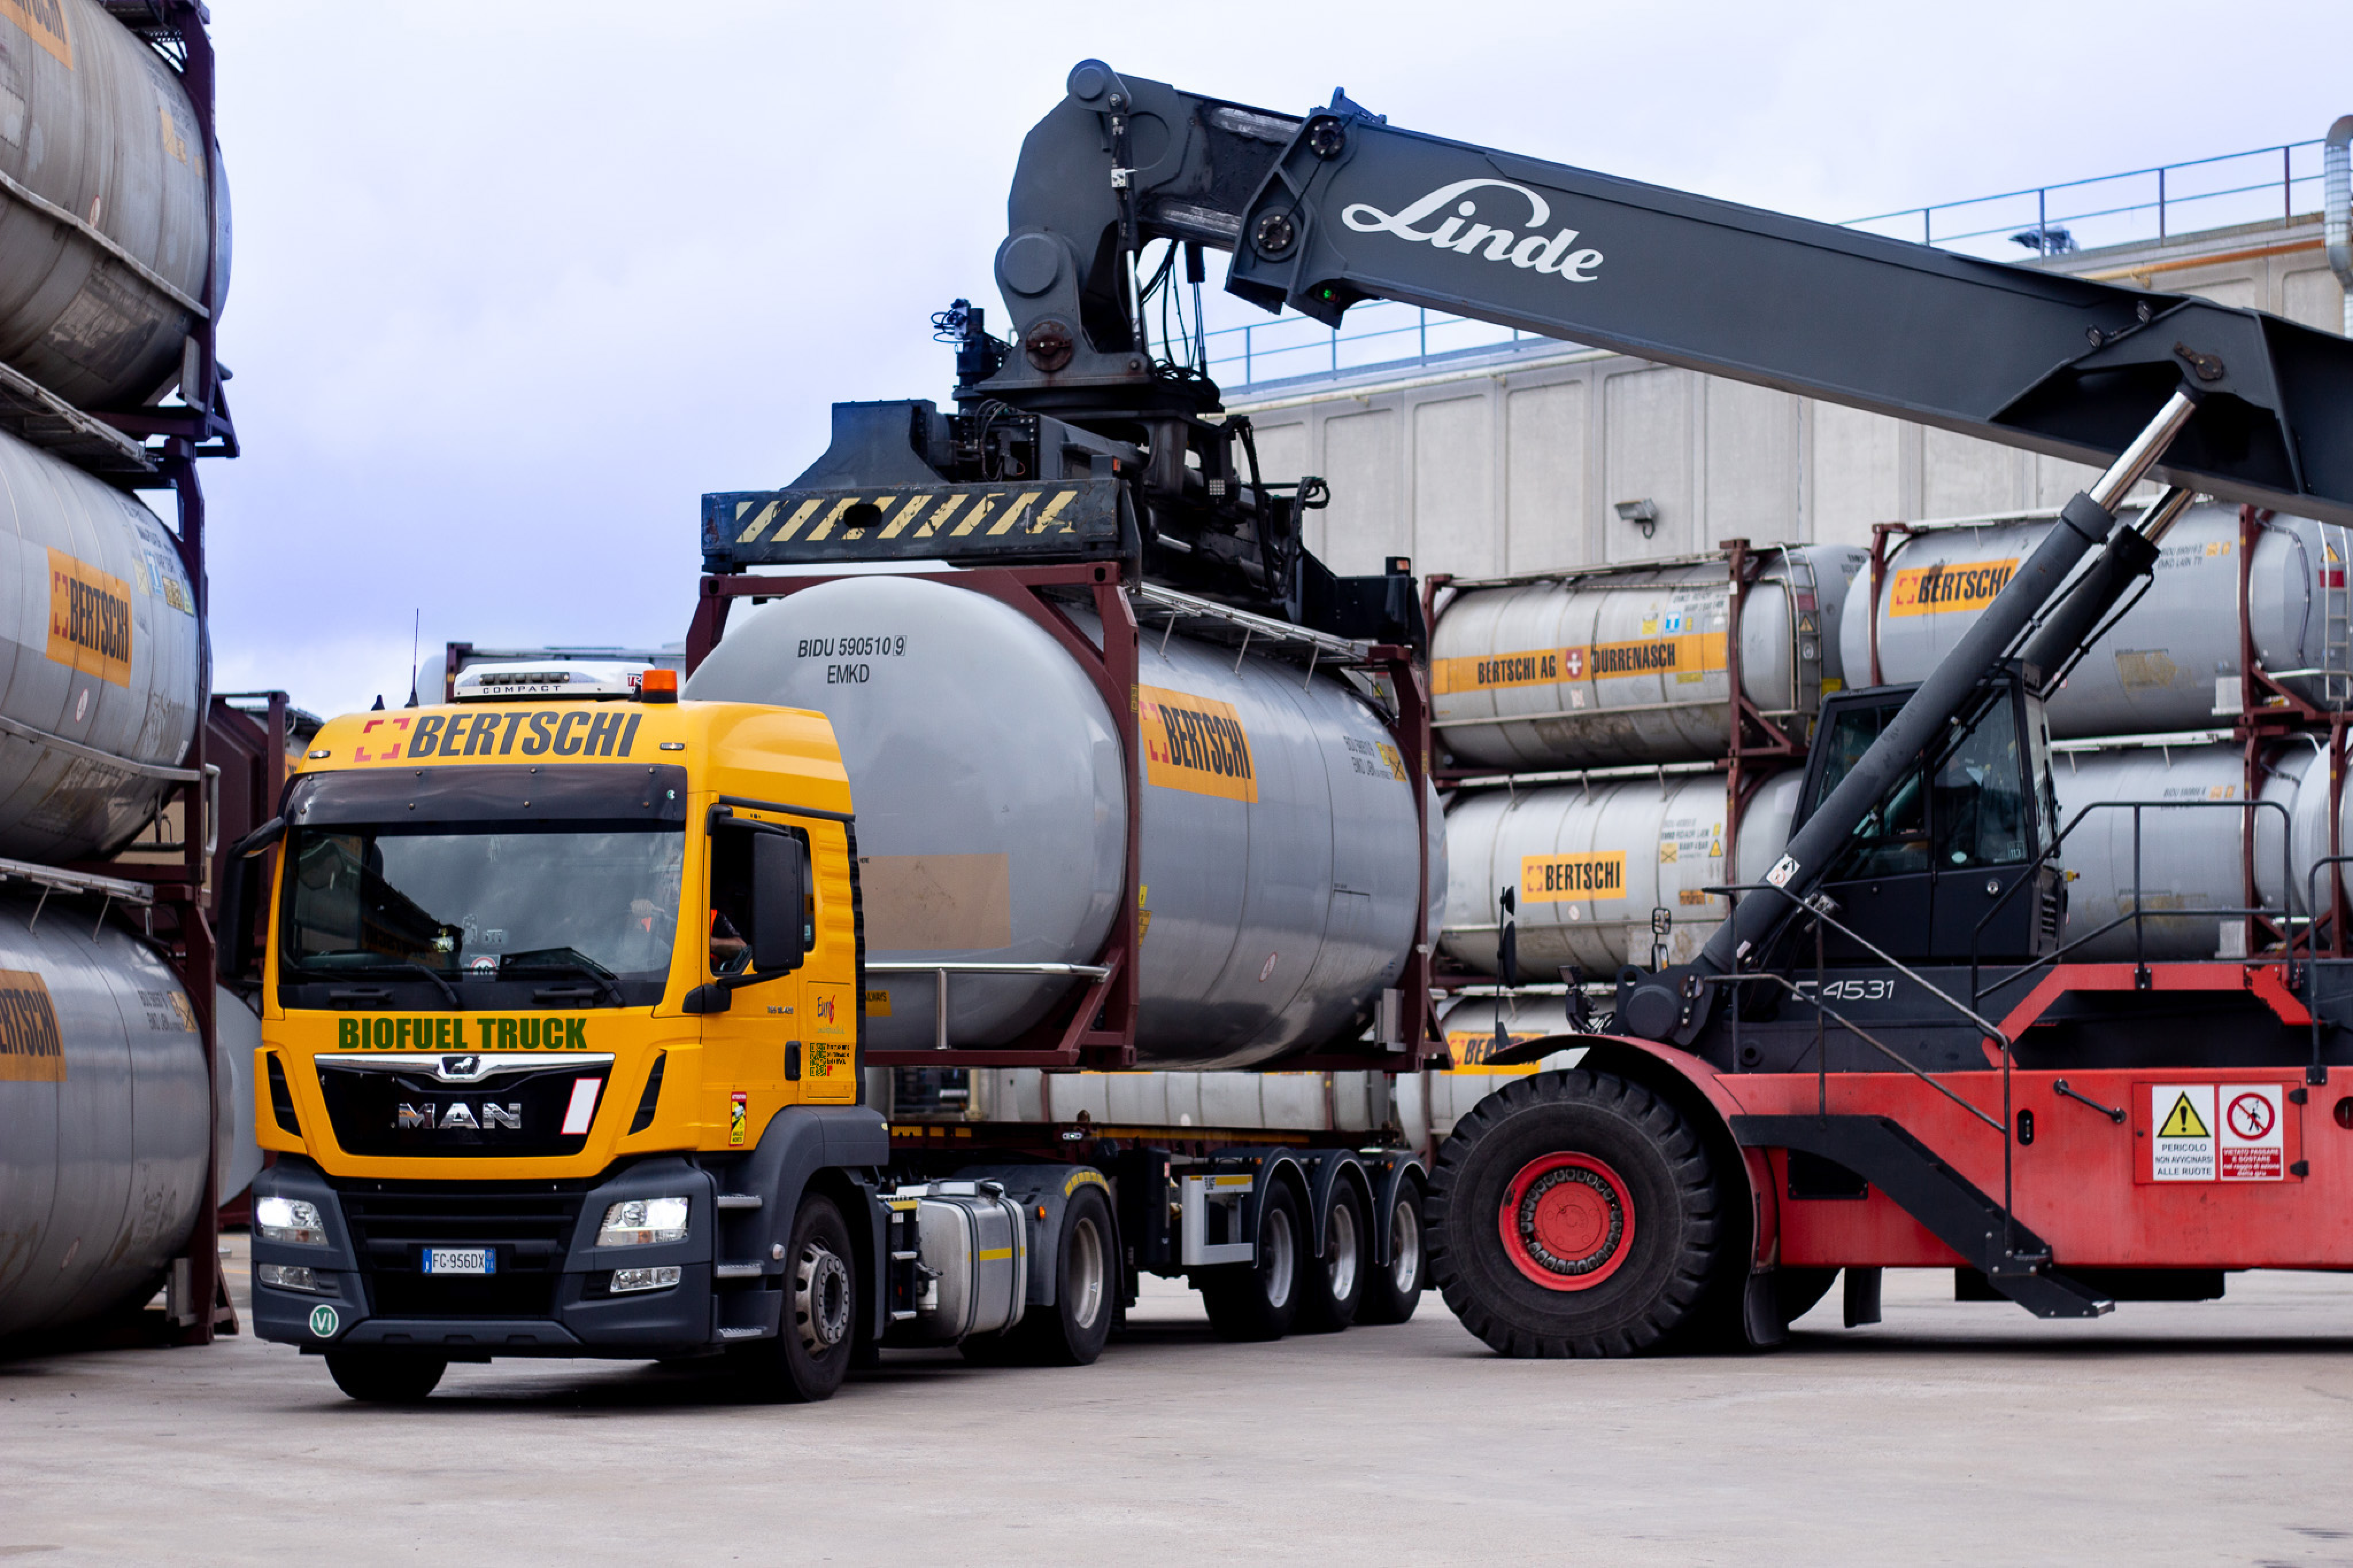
(816, 1336)
(1261, 1300)
(1331, 1288)
(385, 1377)
(1575, 1214)
(1072, 1331)
(1393, 1290)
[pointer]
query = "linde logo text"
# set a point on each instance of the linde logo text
(1531, 249)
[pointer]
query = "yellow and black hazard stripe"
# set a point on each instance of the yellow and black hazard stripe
(954, 513)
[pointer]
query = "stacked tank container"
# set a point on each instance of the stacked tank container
(1540, 673)
(1589, 720)
(113, 266)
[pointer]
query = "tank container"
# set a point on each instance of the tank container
(1629, 664)
(100, 659)
(1279, 840)
(108, 170)
(104, 1116)
(1593, 864)
(2190, 858)
(2155, 669)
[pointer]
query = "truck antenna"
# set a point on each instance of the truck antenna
(416, 629)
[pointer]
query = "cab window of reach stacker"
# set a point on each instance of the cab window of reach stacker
(1967, 808)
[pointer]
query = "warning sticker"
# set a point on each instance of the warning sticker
(2181, 1147)
(2253, 1145)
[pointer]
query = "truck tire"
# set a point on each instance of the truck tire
(817, 1335)
(385, 1377)
(1260, 1300)
(1574, 1214)
(1072, 1331)
(1393, 1290)
(1331, 1288)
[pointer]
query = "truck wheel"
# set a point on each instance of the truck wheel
(1072, 1331)
(1574, 1214)
(385, 1377)
(811, 1352)
(1394, 1290)
(1258, 1300)
(1331, 1289)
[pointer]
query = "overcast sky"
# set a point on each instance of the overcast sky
(516, 283)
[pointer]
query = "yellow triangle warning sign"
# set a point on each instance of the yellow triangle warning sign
(2182, 1121)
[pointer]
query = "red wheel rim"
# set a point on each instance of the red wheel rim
(1567, 1222)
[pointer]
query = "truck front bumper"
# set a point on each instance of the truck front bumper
(550, 1290)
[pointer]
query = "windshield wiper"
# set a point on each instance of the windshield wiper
(402, 966)
(567, 961)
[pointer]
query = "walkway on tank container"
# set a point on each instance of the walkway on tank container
(2167, 1433)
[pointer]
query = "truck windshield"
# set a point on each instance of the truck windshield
(578, 913)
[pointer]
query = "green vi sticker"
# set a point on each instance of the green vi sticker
(323, 1322)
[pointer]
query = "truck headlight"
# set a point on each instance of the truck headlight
(286, 1277)
(291, 1220)
(638, 1222)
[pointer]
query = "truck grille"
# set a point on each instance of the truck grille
(506, 1115)
(527, 1227)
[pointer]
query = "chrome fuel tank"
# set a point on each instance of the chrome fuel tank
(100, 659)
(1627, 663)
(1280, 863)
(117, 205)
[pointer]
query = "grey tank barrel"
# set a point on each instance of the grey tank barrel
(2130, 556)
(2088, 518)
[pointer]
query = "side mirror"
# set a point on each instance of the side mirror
(240, 892)
(779, 904)
(244, 903)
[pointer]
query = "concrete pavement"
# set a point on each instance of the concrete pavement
(1953, 1432)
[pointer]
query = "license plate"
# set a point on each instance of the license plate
(460, 1261)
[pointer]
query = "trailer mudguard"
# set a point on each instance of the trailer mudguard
(1326, 1169)
(1389, 1174)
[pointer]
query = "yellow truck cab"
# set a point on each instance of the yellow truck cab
(561, 1021)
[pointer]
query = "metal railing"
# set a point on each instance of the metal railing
(1818, 909)
(2155, 203)
(941, 970)
(2137, 916)
(2117, 209)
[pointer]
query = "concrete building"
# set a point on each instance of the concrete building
(1519, 456)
